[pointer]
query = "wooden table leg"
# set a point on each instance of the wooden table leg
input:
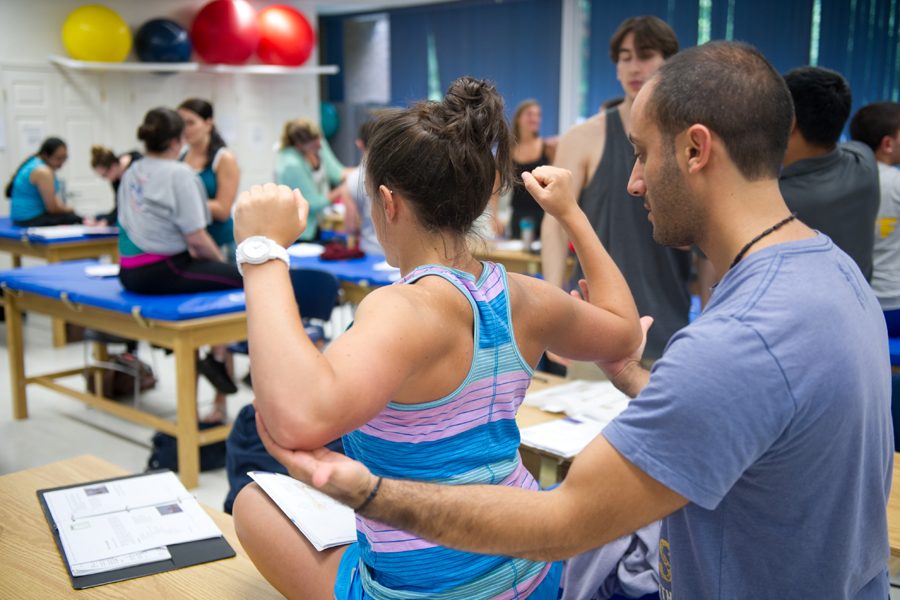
(549, 472)
(188, 435)
(57, 326)
(16, 261)
(16, 349)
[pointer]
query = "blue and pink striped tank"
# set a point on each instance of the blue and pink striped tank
(468, 437)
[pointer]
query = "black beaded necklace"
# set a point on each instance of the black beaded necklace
(775, 227)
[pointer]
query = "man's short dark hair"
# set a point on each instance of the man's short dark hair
(874, 121)
(733, 90)
(822, 103)
(650, 33)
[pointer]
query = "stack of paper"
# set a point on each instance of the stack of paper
(68, 231)
(325, 522)
(126, 522)
(563, 437)
(598, 400)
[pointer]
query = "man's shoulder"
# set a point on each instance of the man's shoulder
(587, 133)
(859, 152)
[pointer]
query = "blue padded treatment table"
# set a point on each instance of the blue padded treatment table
(68, 280)
(181, 323)
(18, 243)
(12, 232)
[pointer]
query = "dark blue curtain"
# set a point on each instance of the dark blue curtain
(515, 44)
(606, 17)
(780, 29)
(331, 52)
(859, 39)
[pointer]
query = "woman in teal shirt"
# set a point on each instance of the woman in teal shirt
(33, 189)
(216, 166)
(307, 163)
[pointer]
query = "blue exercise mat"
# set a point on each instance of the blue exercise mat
(10, 231)
(354, 270)
(68, 277)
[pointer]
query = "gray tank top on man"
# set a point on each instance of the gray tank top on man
(658, 276)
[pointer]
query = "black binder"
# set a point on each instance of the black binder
(183, 555)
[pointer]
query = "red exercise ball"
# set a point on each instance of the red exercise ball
(287, 37)
(225, 31)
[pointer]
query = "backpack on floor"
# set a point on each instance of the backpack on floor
(165, 452)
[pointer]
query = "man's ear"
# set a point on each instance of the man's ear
(697, 146)
(887, 145)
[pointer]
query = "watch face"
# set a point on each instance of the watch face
(255, 249)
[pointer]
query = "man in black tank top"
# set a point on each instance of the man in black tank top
(601, 159)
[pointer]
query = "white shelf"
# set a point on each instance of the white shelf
(274, 69)
(156, 67)
(169, 67)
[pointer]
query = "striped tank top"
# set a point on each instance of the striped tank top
(468, 437)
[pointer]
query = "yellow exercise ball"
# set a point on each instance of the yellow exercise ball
(95, 33)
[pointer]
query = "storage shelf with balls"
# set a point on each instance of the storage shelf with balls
(170, 67)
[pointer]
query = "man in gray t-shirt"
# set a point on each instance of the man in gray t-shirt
(832, 187)
(160, 201)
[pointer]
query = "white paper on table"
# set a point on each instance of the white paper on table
(599, 400)
(384, 266)
(110, 270)
(323, 520)
(67, 231)
(120, 562)
(563, 437)
(303, 249)
(511, 245)
(116, 518)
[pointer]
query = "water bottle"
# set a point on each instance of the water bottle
(526, 228)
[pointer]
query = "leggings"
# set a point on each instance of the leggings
(892, 318)
(47, 219)
(181, 274)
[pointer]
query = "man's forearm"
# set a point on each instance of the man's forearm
(631, 379)
(444, 515)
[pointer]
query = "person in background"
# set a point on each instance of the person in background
(358, 217)
(529, 152)
(111, 167)
(601, 157)
(216, 166)
(164, 246)
(305, 165)
(34, 190)
(877, 125)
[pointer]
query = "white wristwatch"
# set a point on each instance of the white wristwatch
(258, 249)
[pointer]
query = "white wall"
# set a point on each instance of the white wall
(83, 108)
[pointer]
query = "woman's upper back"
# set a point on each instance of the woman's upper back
(160, 201)
(26, 198)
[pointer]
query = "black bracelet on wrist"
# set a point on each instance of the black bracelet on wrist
(371, 496)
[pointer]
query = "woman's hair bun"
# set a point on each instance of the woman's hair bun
(473, 111)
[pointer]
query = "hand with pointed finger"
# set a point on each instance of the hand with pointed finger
(552, 188)
(332, 473)
(273, 211)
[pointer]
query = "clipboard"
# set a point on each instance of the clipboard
(183, 555)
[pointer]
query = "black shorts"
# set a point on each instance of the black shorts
(181, 274)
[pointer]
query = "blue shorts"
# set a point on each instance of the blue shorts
(348, 585)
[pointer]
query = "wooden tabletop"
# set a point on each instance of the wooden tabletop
(893, 509)
(31, 567)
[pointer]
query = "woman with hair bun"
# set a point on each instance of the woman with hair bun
(33, 190)
(110, 167)
(427, 382)
(164, 247)
(216, 166)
